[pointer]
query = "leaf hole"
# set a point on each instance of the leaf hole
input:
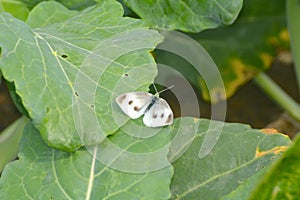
(64, 56)
(125, 75)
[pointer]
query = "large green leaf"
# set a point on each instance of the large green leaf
(69, 71)
(45, 173)
(282, 180)
(237, 159)
(190, 16)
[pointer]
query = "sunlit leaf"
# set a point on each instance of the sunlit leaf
(69, 72)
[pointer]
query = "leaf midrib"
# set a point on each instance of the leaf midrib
(92, 175)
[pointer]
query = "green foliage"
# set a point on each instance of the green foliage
(44, 173)
(249, 45)
(49, 78)
(16, 8)
(16, 98)
(66, 63)
(282, 180)
(241, 50)
(233, 162)
(189, 16)
(9, 141)
(293, 15)
(49, 13)
(71, 4)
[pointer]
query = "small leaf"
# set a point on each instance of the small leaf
(45, 173)
(47, 13)
(190, 16)
(230, 164)
(16, 8)
(9, 141)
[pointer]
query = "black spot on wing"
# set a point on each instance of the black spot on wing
(169, 118)
(135, 108)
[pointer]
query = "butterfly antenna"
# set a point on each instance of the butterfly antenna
(156, 92)
(165, 89)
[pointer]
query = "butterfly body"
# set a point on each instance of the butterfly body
(156, 111)
(154, 99)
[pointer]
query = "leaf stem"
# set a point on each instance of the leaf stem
(293, 21)
(278, 95)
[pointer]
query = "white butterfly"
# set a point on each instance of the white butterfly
(157, 111)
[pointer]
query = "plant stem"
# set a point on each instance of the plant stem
(278, 95)
(293, 20)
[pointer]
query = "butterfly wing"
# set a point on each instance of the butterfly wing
(134, 104)
(160, 114)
